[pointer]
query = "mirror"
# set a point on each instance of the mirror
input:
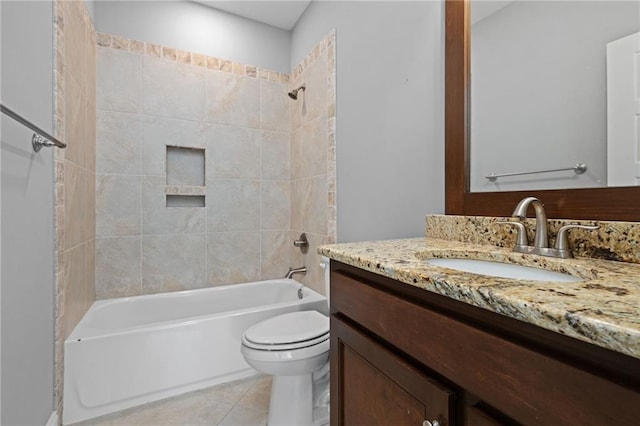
(542, 74)
(610, 203)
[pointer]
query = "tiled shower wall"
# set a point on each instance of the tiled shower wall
(151, 97)
(75, 123)
(313, 158)
(263, 183)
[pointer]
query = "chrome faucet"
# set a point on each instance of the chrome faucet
(520, 212)
(300, 270)
(541, 244)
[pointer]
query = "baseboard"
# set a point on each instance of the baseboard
(53, 419)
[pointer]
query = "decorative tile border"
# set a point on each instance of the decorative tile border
(191, 58)
(328, 44)
(619, 241)
(60, 196)
(59, 132)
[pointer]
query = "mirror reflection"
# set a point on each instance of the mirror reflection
(555, 94)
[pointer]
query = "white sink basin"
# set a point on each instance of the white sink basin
(503, 270)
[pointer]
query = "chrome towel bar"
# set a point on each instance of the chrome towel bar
(40, 138)
(579, 169)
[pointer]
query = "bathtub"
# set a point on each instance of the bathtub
(130, 351)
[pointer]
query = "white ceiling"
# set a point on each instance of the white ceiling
(281, 14)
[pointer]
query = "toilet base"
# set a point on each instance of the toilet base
(291, 401)
(299, 401)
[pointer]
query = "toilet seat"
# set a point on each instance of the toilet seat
(295, 330)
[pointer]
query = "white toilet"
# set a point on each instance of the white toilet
(294, 349)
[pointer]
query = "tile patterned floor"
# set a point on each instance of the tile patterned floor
(241, 403)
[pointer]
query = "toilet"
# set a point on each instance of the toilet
(294, 349)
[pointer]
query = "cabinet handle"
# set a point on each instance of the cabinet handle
(431, 423)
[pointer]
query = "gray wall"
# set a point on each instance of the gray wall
(27, 217)
(390, 118)
(196, 28)
(538, 91)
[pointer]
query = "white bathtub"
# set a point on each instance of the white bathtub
(129, 351)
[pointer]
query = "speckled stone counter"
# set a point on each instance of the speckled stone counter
(603, 308)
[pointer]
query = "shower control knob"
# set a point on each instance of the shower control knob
(431, 423)
(302, 242)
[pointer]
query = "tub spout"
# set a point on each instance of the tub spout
(301, 270)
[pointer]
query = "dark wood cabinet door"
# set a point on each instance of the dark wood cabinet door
(373, 386)
(474, 416)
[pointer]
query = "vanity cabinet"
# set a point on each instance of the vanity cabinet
(379, 387)
(401, 355)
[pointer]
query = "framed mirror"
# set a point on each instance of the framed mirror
(605, 203)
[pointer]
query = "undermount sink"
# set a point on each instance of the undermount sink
(502, 270)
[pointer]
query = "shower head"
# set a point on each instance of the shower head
(294, 93)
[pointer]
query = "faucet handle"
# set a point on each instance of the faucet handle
(521, 239)
(562, 241)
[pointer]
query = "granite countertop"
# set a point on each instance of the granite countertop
(602, 309)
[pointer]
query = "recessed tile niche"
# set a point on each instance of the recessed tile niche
(185, 177)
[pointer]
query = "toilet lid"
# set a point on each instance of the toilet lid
(287, 346)
(289, 328)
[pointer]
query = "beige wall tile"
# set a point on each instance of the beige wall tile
(118, 80)
(314, 205)
(75, 297)
(157, 133)
(316, 94)
(118, 267)
(75, 121)
(185, 166)
(276, 158)
(274, 106)
(157, 218)
(275, 205)
(233, 257)
(90, 138)
(86, 204)
(275, 258)
(233, 152)
(256, 179)
(75, 39)
(90, 288)
(295, 149)
(297, 107)
(173, 262)
(232, 99)
(91, 65)
(314, 148)
(299, 189)
(118, 144)
(74, 213)
(171, 89)
(118, 201)
(233, 205)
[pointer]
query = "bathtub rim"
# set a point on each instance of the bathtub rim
(90, 333)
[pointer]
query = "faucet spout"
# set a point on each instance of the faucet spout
(541, 219)
(292, 271)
